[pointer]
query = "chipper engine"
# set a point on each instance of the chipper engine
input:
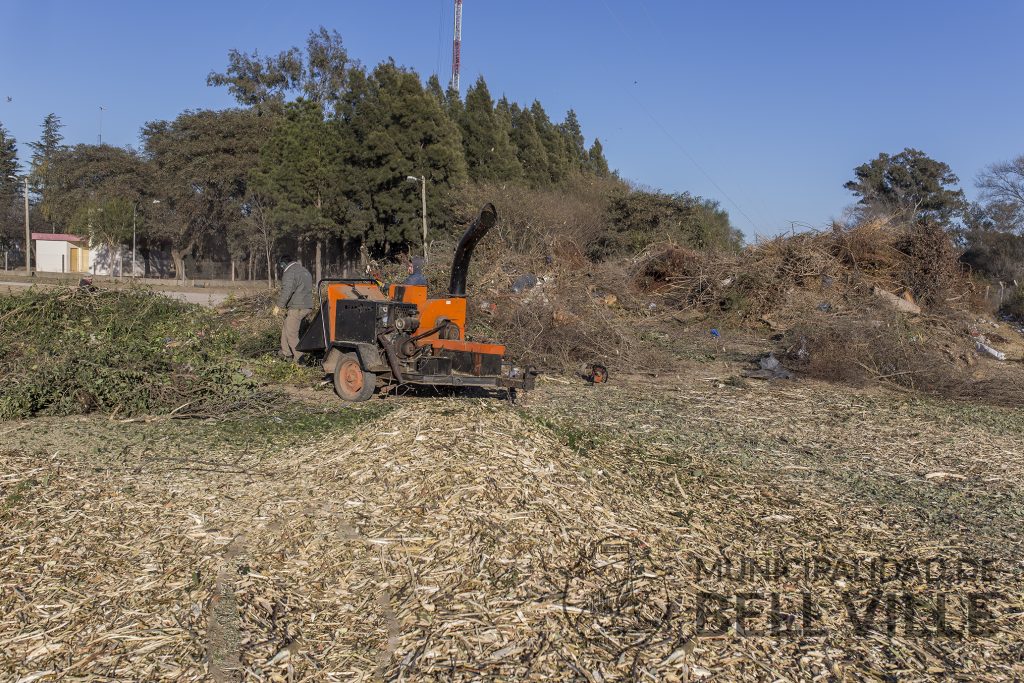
(404, 337)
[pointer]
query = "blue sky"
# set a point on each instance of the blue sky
(764, 106)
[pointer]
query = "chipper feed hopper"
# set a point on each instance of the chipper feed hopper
(404, 337)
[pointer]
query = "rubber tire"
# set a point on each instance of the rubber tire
(351, 382)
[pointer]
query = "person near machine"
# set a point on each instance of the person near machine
(416, 276)
(295, 301)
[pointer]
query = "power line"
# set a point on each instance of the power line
(440, 36)
(672, 138)
(695, 163)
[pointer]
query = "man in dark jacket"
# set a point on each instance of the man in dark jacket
(416, 276)
(295, 301)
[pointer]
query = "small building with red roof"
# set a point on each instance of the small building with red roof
(58, 252)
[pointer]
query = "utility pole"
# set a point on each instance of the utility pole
(100, 136)
(28, 234)
(457, 47)
(423, 196)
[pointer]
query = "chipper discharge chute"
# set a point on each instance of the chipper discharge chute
(403, 336)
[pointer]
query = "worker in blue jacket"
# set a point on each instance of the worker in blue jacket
(416, 276)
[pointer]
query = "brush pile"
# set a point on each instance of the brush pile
(844, 270)
(128, 352)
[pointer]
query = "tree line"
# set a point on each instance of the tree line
(316, 156)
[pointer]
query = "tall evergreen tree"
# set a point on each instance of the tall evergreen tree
(554, 144)
(530, 148)
(596, 163)
(394, 129)
(489, 151)
(453, 104)
(43, 153)
(436, 91)
(575, 146)
(10, 190)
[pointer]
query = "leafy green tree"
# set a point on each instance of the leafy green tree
(10, 189)
(596, 163)
(8, 162)
(436, 91)
(641, 218)
(297, 172)
(318, 73)
(453, 104)
(200, 168)
(85, 179)
(909, 185)
(490, 154)
(992, 242)
(43, 153)
(106, 219)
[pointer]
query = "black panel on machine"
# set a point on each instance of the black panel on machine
(472, 363)
(435, 365)
(361, 321)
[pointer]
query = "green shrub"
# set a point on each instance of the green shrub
(129, 352)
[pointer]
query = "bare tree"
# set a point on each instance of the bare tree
(1002, 184)
(264, 229)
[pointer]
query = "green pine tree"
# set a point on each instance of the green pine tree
(596, 163)
(530, 148)
(296, 173)
(572, 137)
(436, 91)
(489, 151)
(43, 153)
(554, 145)
(10, 189)
(395, 129)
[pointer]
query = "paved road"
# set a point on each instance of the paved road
(203, 298)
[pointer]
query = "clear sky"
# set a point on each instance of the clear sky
(764, 106)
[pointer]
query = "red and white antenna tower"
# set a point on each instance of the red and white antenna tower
(457, 47)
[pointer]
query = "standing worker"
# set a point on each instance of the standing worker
(296, 300)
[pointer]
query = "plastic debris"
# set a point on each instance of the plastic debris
(768, 367)
(982, 347)
(525, 282)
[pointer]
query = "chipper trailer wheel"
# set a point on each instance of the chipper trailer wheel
(351, 382)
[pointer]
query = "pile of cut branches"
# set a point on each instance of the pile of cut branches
(127, 352)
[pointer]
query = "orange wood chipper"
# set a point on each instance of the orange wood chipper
(401, 336)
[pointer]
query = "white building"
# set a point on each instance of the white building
(64, 253)
(61, 253)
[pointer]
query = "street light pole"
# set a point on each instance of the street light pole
(135, 211)
(28, 233)
(423, 193)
